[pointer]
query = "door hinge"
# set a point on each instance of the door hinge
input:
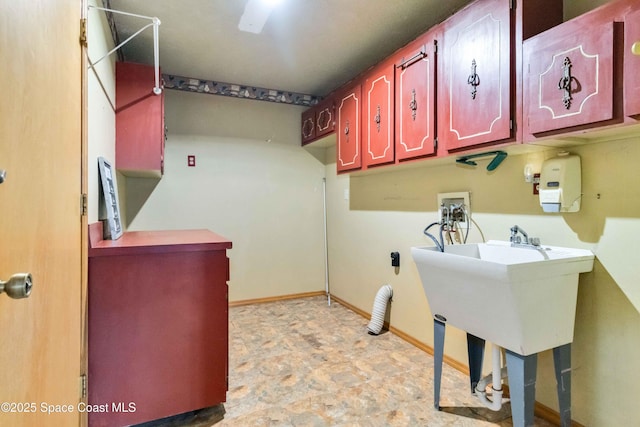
(83, 204)
(512, 4)
(83, 32)
(83, 386)
(435, 46)
(511, 124)
(435, 144)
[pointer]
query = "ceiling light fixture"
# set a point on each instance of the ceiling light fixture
(256, 13)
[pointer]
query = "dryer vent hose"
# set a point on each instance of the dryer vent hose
(379, 309)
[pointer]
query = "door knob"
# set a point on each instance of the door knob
(18, 286)
(3, 175)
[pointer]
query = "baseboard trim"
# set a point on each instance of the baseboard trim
(540, 410)
(276, 298)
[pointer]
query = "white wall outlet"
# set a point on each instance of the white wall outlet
(454, 200)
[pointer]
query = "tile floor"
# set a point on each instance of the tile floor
(302, 363)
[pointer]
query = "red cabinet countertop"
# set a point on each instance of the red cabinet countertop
(145, 242)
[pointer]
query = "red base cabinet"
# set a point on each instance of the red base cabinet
(348, 105)
(158, 324)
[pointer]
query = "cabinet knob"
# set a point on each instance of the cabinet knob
(635, 48)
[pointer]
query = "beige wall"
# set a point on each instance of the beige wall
(252, 183)
(101, 103)
(388, 211)
(573, 8)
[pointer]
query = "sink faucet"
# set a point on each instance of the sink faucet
(517, 240)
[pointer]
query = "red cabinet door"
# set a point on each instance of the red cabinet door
(632, 64)
(348, 139)
(570, 77)
(415, 103)
(377, 127)
(476, 89)
(318, 121)
(308, 127)
(325, 117)
(140, 129)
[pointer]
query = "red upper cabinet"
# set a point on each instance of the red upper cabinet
(480, 90)
(415, 100)
(308, 127)
(140, 132)
(325, 117)
(476, 98)
(583, 73)
(348, 152)
(570, 77)
(318, 121)
(632, 64)
(377, 115)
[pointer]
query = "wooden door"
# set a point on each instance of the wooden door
(348, 140)
(415, 103)
(632, 64)
(378, 116)
(476, 107)
(40, 220)
(570, 77)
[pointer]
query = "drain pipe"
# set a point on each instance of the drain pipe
(379, 309)
(495, 379)
(326, 246)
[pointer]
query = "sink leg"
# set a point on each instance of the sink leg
(562, 363)
(438, 352)
(522, 387)
(475, 350)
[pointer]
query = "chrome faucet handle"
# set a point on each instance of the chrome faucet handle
(514, 234)
(535, 241)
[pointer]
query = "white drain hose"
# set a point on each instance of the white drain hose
(379, 309)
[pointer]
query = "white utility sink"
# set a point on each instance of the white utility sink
(520, 298)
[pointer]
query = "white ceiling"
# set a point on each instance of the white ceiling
(306, 46)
